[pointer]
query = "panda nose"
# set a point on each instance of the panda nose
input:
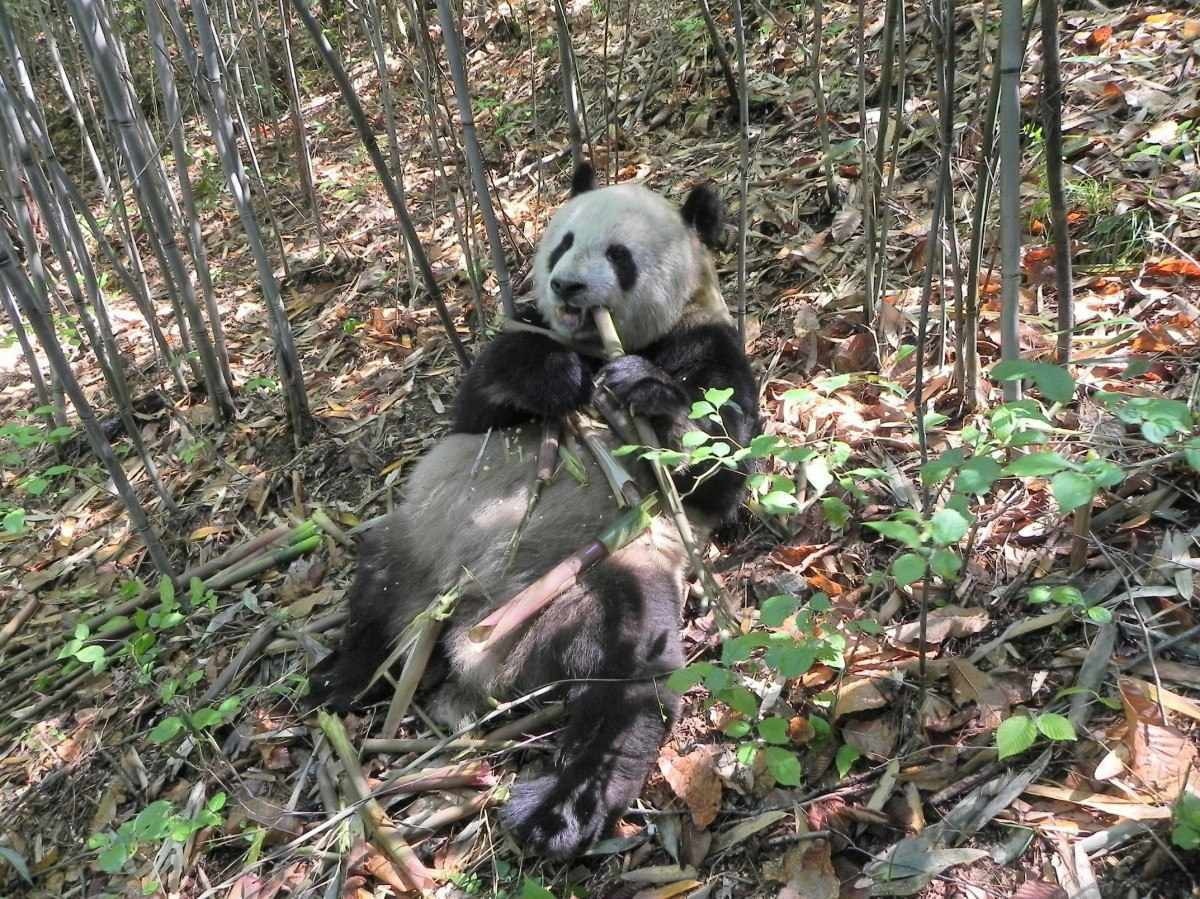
(566, 290)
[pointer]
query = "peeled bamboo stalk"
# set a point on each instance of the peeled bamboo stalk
(526, 604)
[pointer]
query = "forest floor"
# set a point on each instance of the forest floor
(106, 790)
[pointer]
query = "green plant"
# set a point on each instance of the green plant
(1018, 733)
(154, 824)
(12, 521)
(1069, 596)
(265, 385)
(82, 652)
(1185, 818)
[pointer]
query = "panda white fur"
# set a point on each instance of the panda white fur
(614, 635)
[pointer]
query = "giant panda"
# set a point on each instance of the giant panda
(613, 636)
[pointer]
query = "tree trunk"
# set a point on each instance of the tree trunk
(1010, 186)
(1052, 123)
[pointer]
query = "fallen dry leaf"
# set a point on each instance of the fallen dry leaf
(694, 779)
(941, 624)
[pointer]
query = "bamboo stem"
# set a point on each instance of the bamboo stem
(383, 834)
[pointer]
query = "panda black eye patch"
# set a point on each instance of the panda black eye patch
(622, 262)
(563, 245)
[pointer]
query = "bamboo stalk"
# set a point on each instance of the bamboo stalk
(1052, 123)
(14, 624)
(517, 611)
(410, 676)
(613, 349)
(382, 832)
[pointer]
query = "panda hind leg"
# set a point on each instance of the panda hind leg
(385, 597)
(616, 720)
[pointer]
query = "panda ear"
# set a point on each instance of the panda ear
(583, 180)
(702, 211)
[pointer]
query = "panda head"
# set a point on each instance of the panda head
(627, 248)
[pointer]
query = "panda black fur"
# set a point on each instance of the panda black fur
(613, 635)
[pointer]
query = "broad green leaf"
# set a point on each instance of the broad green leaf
(947, 526)
(1099, 614)
(683, 679)
(14, 521)
(837, 513)
(718, 397)
(531, 889)
(791, 659)
(783, 765)
(82, 631)
(166, 592)
(35, 486)
(937, 470)
(217, 802)
(776, 609)
(846, 756)
(1104, 473)
(1066, 595)
(869, 625)
(166, 730)
(89, 655)
(738, 649)
(778, 503)
(898, 531)
(1054, 381)
(1014, 736)
(701, 409)
(55, 471)
(1055, 727)
(693, 439)
(832, 383)
(978, 474)
(945, 563)
(766, 445)
(151, 821)
(737, 729)
(746, 753)
(1072, 490)
(205, 718)
(820, 602)
(1039, 595)
(774, 730)
(1036, 465)
(908, 568)
(741, 700)
(113, 859)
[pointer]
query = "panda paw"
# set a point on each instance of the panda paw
(642, 386)
(554, 819)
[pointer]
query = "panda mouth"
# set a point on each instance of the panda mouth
(576, 321)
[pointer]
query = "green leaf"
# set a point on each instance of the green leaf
(774, 730)
(113, 859)
(898, 531)
(978, 474)
(1036, 465)
(166, 592)
(846, 756)
(1072, 490)
(683, 679)
(746, 753)
(832, 383)
(205, 718)
(35, 486)
(869, 625)
(737, 729)
(778, 503)
(791, 659)
(1104, 473)
(531, 889)
(945, 564)
(693, 439)
(701, 409)
(1099, 614)
(217, 802)
(151, 822)
(741, 700)
(1056, 727)
(904, 351)
(820, 602)
(55, 470)
(89, 655)
(937, 470)
(837, 513)
(718, 397)
(1066, 595)
(947, 526)
(1039, 595)
(1014, 736)
(14, 521)
(166, 730)
(908, 568)
(776, 609)
(1055, 383)
(1185, 837)
(82, 631)
(783, 765)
